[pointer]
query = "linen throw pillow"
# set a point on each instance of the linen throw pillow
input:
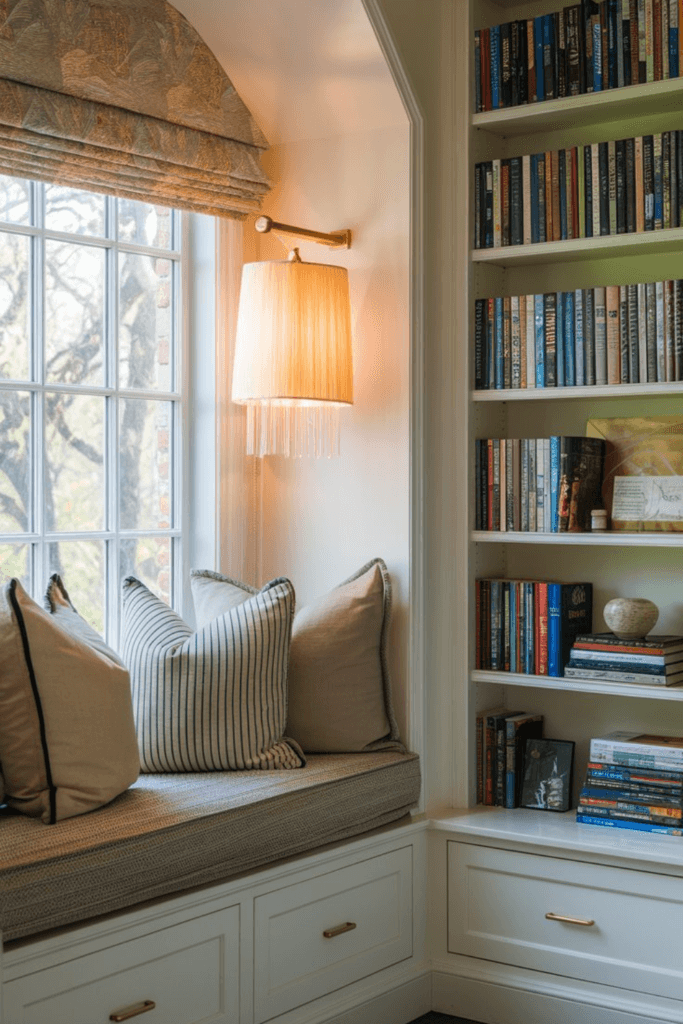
(67, 737)
(339, 687)
(216, 698)
(58, 603)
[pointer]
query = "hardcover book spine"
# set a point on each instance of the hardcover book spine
(626, 39)
(657, 39)
(539, 322)
(505, 84)
(542, 224)
(505, 202)
(673, 38)
(579, 344)
(531, 458)
(497, 209)
(554, 449)
(562, 190)
(542, 616)
(581, 180)
(509, 486)
(623, 334)
(649, 41)
(666, 179)
(612, 185)
(549, 302)
(559, 340)
(522, 341)
(640, 184)
(633, 353)
(589, 334)
(516, 511)
(498, 348)
(633, 14)
(530, 343)
(669, 338)
(539, 58)
(516, 212)
(597, 52)
(638, 826)
(630, 180)
(620, 152)
(477, 72)
(569, 340)
(678, 328)
(478, 207)
(659, 322)
(549, 57)
(600, 336)
(526, 199)
(507, 344)
(604, 187)
(495, 497)
(516, 343)
(659, 204)
(495, 67)
(555, 666)
(479, 344)
(642, 333)
(524, 484)
(488, 195)
(651, 326)
(531, 62)
(489, 485)
(533, 199)
(540, 486)
(649, 181)
(573, 193)
(617, 42)
(588, 190)
(555, 196)
(642, 43)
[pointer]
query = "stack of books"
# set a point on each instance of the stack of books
(652, 661)
(587, 47)
(538, 484)
(603, 188)
(501, 742)
(527, 626)
(634, 781)
(619, 334)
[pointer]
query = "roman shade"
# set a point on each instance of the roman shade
(123, 96)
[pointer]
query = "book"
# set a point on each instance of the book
(632, 799)
(612, 656)
(632, 776)
(518, 728)
(626, 813)
(638, 826)
(483, 739)
(618, 676)
(638, 750)
(653, 642)
(570, 605)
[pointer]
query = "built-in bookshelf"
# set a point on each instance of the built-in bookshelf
(618, 564)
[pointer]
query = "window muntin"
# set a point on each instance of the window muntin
(90, 395)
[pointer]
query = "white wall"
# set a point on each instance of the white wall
(324, 518)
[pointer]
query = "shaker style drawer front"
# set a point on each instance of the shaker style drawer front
(596, 923)
(180, 975)
(319, 935)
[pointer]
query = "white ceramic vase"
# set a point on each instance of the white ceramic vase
(631, 618)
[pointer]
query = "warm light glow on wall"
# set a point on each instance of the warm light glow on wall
(293, 361)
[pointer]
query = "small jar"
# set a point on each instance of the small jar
(598, 520)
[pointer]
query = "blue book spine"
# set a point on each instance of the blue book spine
(535, 236)
(650, 796)
(562, 175)
(578, 339)
(597, 57)
(495, 67)
(569, 342)
(539, 329)
(637, 826)
(555, 666)
(538, 57)
(673, 52)
(634, 667)
(513, 627)
(529, 629)
(559, 339)
(498, 344)
(554, 483)
(550, 85)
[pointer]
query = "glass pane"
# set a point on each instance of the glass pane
(15, 200)
(74, 211)
(14, 561)
(144, 224)
(15, 461)
(145, 322)
(145, 450)
(148, 559)
(81, 566)
(74, 313)
(15, 313)
(74, 462)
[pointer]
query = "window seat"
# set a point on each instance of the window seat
(169, 833)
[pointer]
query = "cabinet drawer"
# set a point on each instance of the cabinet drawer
(296, 962)
(190, 972)
(498, 901)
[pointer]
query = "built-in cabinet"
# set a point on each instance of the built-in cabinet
(494, 931)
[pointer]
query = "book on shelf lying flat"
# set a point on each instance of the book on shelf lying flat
(638, 750)
(622, 676)
(637, 826)
(645, 778)
(651, 644)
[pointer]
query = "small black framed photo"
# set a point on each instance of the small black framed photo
(548, 774)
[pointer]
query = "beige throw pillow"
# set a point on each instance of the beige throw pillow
(339, 688)
(67, 737)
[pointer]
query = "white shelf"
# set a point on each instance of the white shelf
(662, 241)
(632, 101)
(608, 539)
(560, 832)
(589, 391)
(578, 685)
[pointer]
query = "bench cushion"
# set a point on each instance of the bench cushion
(169, 833)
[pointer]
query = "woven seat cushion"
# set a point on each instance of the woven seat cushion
(169, 833)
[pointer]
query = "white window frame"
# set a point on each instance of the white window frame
(112, 536)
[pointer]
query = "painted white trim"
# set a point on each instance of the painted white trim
(498, 994)
(416, 670)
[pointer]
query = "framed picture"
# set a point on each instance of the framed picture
(548, 774)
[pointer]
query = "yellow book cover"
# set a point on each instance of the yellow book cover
(642, 485)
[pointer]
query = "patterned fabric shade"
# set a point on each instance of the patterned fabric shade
(124, 96)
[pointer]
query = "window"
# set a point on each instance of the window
(90, 395)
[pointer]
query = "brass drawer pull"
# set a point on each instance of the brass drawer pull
(339, 930)
(570, 920)
(133, 1011)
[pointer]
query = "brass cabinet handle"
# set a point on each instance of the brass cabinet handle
(133, 1011)
(585, 922)
(339, 930)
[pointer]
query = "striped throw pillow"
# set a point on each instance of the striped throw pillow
(216, 698)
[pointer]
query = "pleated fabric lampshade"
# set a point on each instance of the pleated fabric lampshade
(293, 364)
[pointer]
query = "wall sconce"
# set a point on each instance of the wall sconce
(293, 364)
